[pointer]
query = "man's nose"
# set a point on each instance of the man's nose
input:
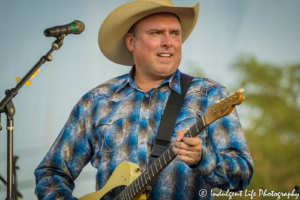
(166, 41)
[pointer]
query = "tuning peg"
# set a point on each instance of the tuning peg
(231, 94)
(241, 90)
(218, 101)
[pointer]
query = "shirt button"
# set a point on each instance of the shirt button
(147, 95)
(142, 142)
(144, 117)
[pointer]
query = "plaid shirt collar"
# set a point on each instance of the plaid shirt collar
(173, 81)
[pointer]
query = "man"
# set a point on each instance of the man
(118, 120)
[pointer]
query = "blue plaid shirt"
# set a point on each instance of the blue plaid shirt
(118, 121)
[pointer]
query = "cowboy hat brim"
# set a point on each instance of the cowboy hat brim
(114, 28)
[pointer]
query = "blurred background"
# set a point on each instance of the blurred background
(239, 43)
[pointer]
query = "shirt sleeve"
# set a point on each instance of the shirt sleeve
(69, 154)
(226, 161)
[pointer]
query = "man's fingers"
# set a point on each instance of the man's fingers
(180, 149)
(182, 145)
(187, 149)
(192, 142)
(186, 153)
(188, 143)
(180, 135)
(186, 159)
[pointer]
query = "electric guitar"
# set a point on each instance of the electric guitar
(128, 183)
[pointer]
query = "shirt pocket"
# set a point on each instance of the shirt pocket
(111, 132)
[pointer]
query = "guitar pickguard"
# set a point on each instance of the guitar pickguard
(122, 177)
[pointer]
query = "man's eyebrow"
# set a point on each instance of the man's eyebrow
(176, 30)
(155, 30)
(161, 30)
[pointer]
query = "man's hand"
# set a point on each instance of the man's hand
(189, 150)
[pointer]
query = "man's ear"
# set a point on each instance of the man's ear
(130, 41)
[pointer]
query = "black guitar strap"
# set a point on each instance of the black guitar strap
(167, 123)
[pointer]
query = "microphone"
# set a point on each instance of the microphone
(76, 27)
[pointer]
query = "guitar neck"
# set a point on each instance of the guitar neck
(158, 165)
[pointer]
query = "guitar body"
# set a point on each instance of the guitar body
(122, 177)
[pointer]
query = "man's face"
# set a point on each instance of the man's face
(156, 46)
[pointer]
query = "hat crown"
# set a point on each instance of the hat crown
(113, 31)
(161, 2)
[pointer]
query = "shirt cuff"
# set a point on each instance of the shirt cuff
(207, 163)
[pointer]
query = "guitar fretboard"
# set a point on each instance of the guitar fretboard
(157, 166)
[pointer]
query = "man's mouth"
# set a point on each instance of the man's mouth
(164, 55)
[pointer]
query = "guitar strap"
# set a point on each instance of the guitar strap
(167, 123)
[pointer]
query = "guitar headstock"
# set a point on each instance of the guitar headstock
(224, 106)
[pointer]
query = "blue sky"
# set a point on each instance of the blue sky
(268, 29)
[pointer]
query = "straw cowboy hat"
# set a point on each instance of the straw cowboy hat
(114, 28)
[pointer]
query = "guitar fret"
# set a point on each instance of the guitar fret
(143, 176)
(137, 191)
(123, 194)
(122, 197)
(152, 172)
(148, 175)
(140, 182)
(133, 192)
(164, 158)
(130, 195)
(169, 154)
(155, 167)
(144, 179)
(203, 120)
(127, 194)
(172, 153)
(190, 133)
(197, 128)
(160, 163)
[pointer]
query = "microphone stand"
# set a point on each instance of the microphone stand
(15, 189)
(7, 107)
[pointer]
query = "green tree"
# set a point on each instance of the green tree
(272, 95)
(271, 111)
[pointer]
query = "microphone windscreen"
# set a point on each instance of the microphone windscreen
(79, 26)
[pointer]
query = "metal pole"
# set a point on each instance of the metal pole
(10, 128)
